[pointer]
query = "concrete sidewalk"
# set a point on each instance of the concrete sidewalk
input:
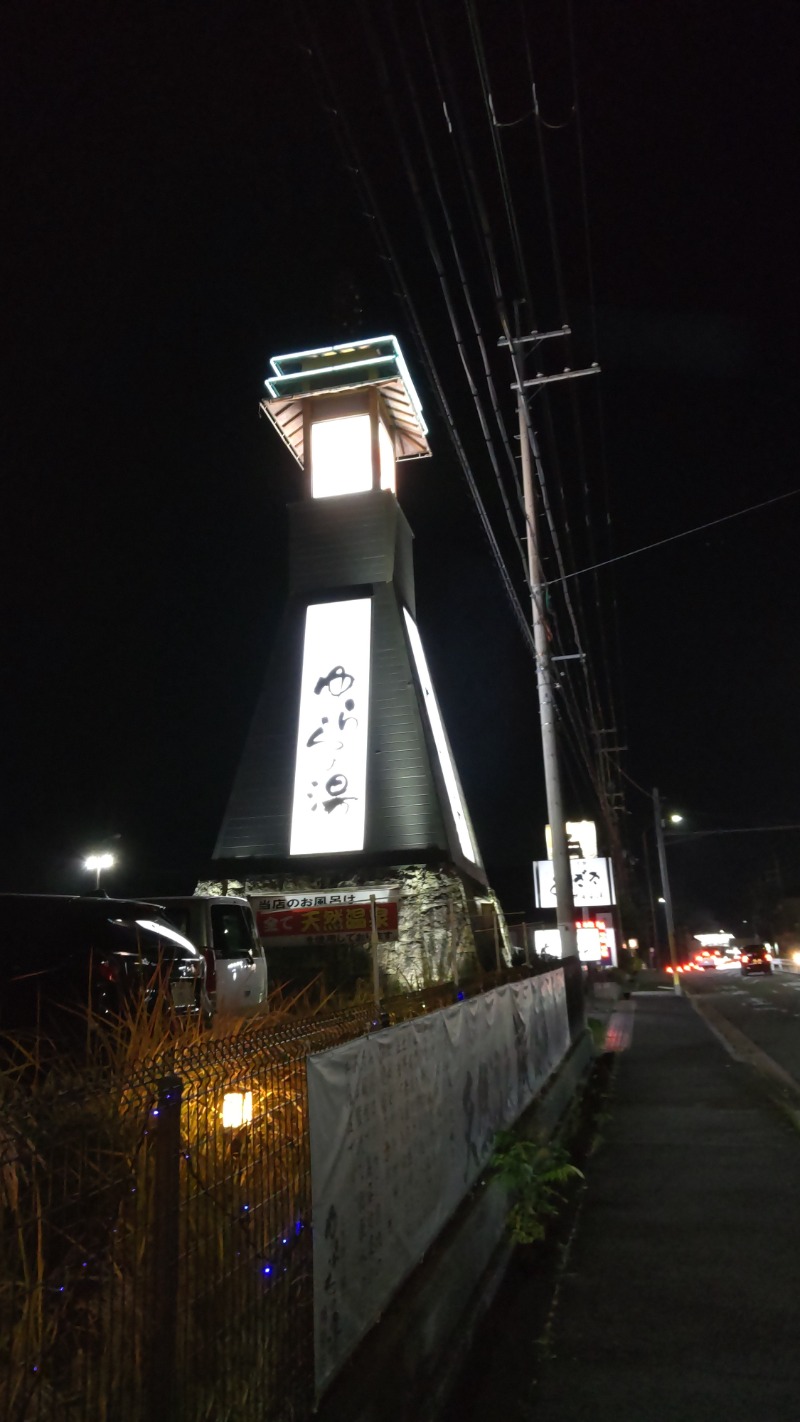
(680, 1298)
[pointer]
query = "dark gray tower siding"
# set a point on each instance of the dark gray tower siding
(354, 545)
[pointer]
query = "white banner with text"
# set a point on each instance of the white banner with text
(402, 1122)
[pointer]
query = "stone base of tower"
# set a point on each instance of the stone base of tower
(443, 931)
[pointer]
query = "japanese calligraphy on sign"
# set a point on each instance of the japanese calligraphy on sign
(329, 802)
(348, 920)
(332, 916)
(592, 883)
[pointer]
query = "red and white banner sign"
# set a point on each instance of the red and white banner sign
(314, 918)
(309, 922)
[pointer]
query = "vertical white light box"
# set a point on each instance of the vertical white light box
(440, 741)
(330, 780)
(341, 456)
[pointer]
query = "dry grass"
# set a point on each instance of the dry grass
(81, 1287)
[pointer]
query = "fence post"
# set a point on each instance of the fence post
(160, 1359)
(453, 943)
(496, 926)
(374, 940)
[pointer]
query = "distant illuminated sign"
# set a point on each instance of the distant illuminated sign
(713, 940)
(581, 839)
(440, 741)
(330, 782)
(597, 942)
(592, 883)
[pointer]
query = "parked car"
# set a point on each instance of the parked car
(59, 951)
(755, 959)
(224, 930)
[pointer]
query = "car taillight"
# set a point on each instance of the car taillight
(107, 971)
(211, 970)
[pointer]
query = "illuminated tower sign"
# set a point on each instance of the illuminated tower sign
(347, 762)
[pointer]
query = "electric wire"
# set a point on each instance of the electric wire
(522, 277)
(686, 533)
(583, 754)
(595, 699)
(435, 253)
(353, 164)
(511, 216)
(575, 407)
(615, 672)
(351, 154)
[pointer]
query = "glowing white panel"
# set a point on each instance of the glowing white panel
(547, 940)
(341, 456)
(440, 741)
(592, 883)
(581, 834)
(597, 943)
(330, 779)
(386, 449)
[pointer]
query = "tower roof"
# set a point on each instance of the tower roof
(332, 369)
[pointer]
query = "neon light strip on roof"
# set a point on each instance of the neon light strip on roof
(275, 362)
(332, 350)
(326, 370)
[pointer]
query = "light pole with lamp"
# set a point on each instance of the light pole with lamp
(665, 889)
(97, 863)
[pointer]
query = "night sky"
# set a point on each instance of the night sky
(180, 206)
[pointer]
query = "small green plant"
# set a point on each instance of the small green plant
(536, 1173)
(597, 1030)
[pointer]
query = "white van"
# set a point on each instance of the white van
(225, 931)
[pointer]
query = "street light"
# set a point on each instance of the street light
(676, 819)
(97, 863)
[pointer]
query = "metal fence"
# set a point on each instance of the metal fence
(155, 1239)
(155, 1243)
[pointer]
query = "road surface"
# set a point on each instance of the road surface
(765, 1009)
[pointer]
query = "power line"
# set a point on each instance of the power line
(353, 159)
(353, 163)
(523, 279)
(437, 259)
(592, 686)
(687, 532)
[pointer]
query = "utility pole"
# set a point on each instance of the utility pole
(565, 907)
(529, 449)
(653, 919)
(662, 862)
